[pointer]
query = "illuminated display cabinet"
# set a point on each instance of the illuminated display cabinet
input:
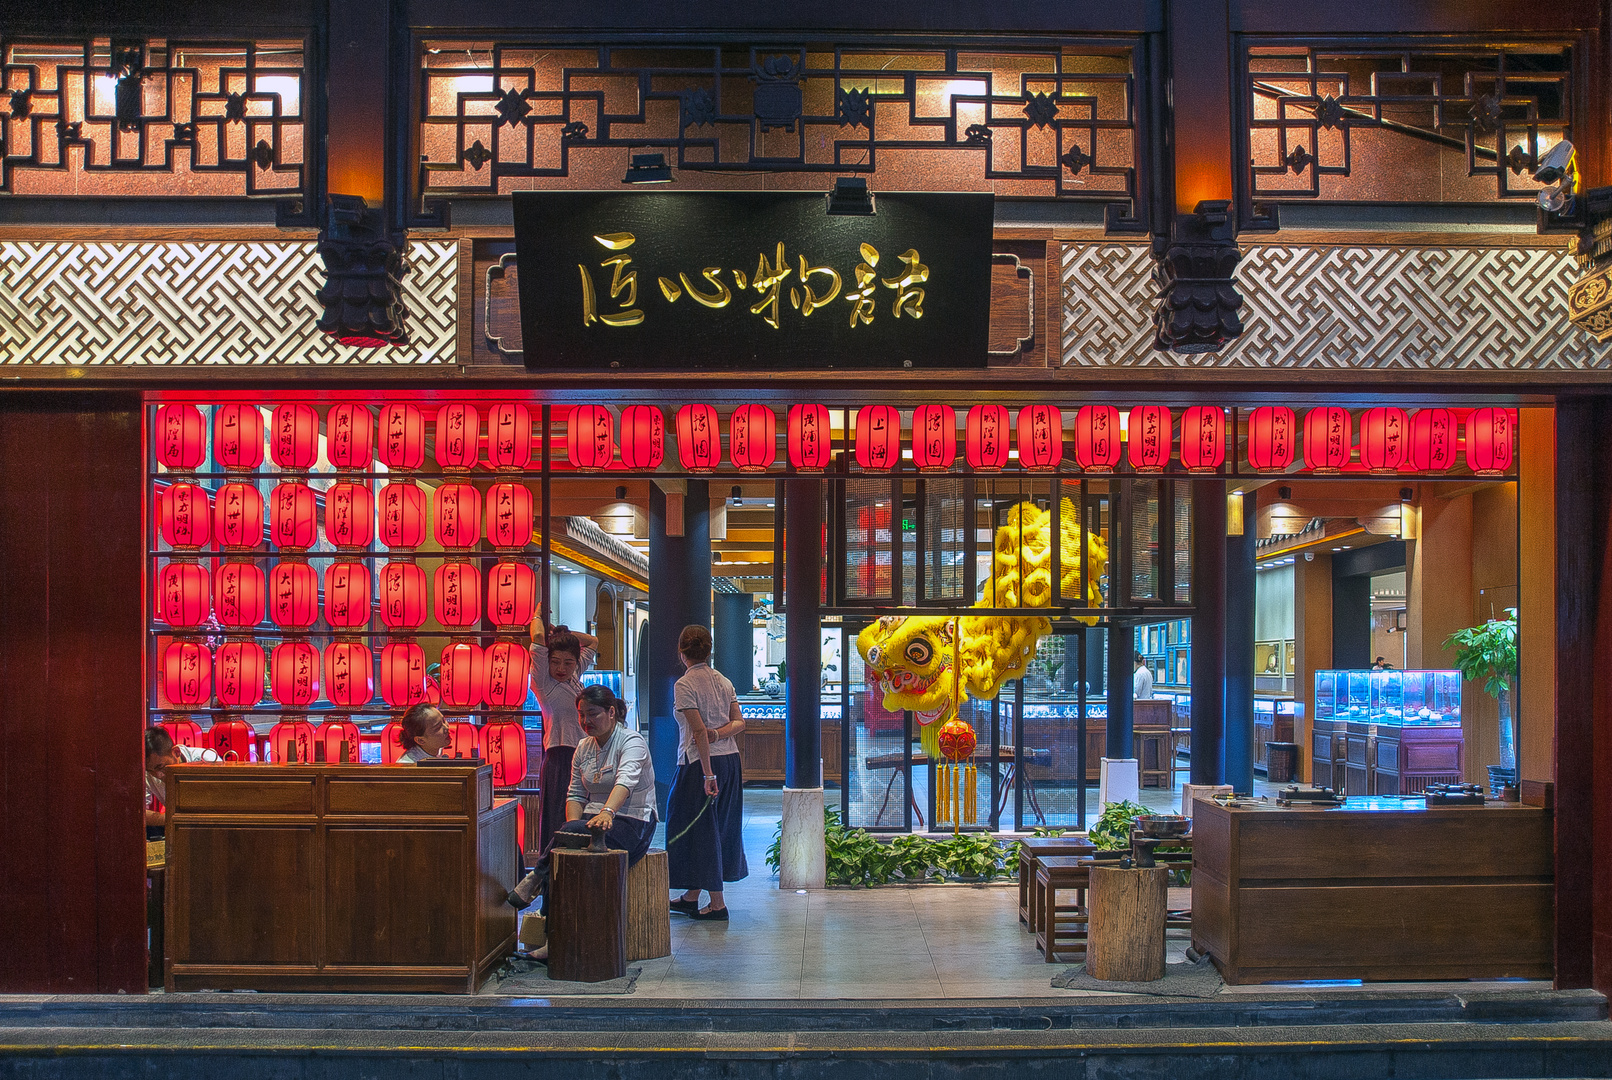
(1387, 732)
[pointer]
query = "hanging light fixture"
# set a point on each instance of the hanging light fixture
(934, 437)
(1097, 438)
(1203, 439)
(1432, 440)
(1148, 437)
(349, 436)
(509, 436)
(986, 436)
(752, 438)
(643, 437)
(1385, 442)
(1272, 436)
(1328, 439)
(1490, 434)
(699, 438)
(589, 438)
(180, 437)
(294, 436)
(402, 597)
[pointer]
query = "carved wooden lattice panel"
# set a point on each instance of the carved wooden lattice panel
(223, 302)
(1382, 307)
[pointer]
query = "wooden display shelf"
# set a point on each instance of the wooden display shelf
(1377, 894)
(761, 751)
(337, 877)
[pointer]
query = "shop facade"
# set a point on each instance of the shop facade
(173, 187)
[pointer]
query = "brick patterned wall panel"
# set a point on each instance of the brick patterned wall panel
(1317, 307)
(170, 303)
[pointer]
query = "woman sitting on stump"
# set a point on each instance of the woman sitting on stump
(612, 788)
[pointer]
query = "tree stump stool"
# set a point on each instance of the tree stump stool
(1032, 848)
(649, 913)
(1125, 940)
(587, 918)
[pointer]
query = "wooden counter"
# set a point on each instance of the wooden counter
(1383, 894)
(337, 877)
(761, 750)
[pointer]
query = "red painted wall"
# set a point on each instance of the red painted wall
(72, 864)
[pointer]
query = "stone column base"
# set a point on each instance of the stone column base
(802, 863)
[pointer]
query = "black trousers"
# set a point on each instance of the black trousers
(625, 834)
(712, 850)
(556, 782)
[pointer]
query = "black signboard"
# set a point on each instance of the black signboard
(759, 280)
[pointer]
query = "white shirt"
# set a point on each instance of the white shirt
(558, 697)
(597, 770)
(1142, 684)
(157, 791)
(708, 692)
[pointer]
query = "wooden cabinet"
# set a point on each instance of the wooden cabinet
(761, 751)
(1361, 893)
(337, 877)
(1328, 753)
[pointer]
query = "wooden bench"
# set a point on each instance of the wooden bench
(1061, 925)
(649, 913)
(1031, 848)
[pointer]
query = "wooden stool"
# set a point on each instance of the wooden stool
(587, 923)
(1032, 847)
(1127, 924)
(1061, 924)
(649, 915)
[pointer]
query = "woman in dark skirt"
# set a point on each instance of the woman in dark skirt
(705, 809)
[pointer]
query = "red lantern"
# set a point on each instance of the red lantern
(349, 675)
(349, 435)
(1432, 440)
(1384, 439)
(184, 732)
(402, 596)
(457, 594)
(238, 436)
(391, 743)
(1203, 439)
(511, 595)
(1148, 438)
(457, 509)
(187, 673)
(238, 516)
(508, 669)
(402, 515)
(332, 733)
(1041, 437)
(509, 515)
(461, 674)
(182, 594)
(1328, 438)
(985, 444)
(235, 736)
(1272, 435)
(402, 443)
(347, 596)
(294, 673)
(643, 437)
(1490, 435)
(294, 436)
(186, 515)
(590, 438)
(752, 438)
(934, 437)
(402, 674)
(293, 595)
(462, 740)
(181, 436)
(349, 514)
(238, 595)
(293, 516)
(878, 438)
(699, 438)
(239, 667)
(458, 437)
(503, 744)
(509, 437)
(811, 437)
(291, 741)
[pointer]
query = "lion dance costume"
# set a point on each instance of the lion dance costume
(930, 663)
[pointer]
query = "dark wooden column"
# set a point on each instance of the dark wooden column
(1121, 740)
(803, 650)
(1239, 622)
(356, 116)
(679, 594)
(1208, 630)
(72, 867)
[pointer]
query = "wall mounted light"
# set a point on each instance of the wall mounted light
(648, 169)
(850, 197)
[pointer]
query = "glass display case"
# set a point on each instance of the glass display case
(1387, 732)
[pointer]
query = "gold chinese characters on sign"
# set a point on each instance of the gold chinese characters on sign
(813, 289)
(1589, 304)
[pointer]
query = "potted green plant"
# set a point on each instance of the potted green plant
(1489, 652)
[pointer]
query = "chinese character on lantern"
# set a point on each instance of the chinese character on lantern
(349, 435)
(878, 438)
(1432, 439)
(752, 438)
(1384, 439)
(934, 437)
(699, 438)
(810, 438)
(643, 437)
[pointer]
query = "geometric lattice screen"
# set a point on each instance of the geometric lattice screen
(1312, 307)
(174, 303)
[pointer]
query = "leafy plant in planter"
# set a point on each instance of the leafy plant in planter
(1112, 829)
(1489, 652)
(971, 856)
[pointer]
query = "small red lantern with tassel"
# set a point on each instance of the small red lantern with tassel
(186, 516)
(699, 438)
(511, 595)
(934, 437)
(347, 595)
(1432, 440)
(187, 673)
(752, 438)
(1328, 439)
(1203, 439)
(457, 508)
(349, 675)
(1148, 438)
(294, 436)
(293, 516)
(461, 675)
(181, 437)
(183, 590)
(350, 514)
(402, 445)
(238, 516)
(458, 442)
(349, 436)
(811, 442)
(643, 437)
(402, 674)
(402, 597)
(238, 668)
(878, 438)
(508, 670)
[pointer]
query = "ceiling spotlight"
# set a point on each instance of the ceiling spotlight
(648, 169)
(850, 197)
(738, 495)
(1559, 170)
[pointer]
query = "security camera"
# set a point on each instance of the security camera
(1309, 556)
(1559, 170)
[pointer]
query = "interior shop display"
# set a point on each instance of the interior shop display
(1398, 731)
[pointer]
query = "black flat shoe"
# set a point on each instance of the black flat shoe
(719, 915)
(513, 899)
(690, 908)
